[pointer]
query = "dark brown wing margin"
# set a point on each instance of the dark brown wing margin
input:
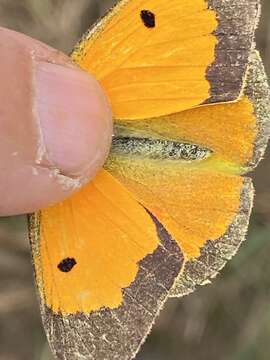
(238, 20)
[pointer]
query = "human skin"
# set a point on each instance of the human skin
(55, 125)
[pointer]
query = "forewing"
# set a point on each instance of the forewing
(156, 58)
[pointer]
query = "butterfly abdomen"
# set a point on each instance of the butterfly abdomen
(159, 149)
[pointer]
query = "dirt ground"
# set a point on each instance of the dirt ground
(229, 320)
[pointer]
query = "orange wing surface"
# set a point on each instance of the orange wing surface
(156, 58)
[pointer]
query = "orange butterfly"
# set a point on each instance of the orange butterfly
(191, 107)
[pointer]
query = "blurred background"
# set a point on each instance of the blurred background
(228, 320)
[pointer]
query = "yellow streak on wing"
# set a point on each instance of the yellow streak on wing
(107, 232)
(152, 72)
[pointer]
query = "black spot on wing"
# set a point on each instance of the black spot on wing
(66, 265)
(148, 18)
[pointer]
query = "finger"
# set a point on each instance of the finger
(56, 125)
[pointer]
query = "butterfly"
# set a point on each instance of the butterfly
(190, 102)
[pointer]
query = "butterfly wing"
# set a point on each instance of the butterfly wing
(204, 202)
(155, 58)
(107, 258)
(215, 253)
(104, 266)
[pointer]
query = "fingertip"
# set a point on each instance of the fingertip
(75, 120)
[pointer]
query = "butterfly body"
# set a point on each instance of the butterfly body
(191, 108)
